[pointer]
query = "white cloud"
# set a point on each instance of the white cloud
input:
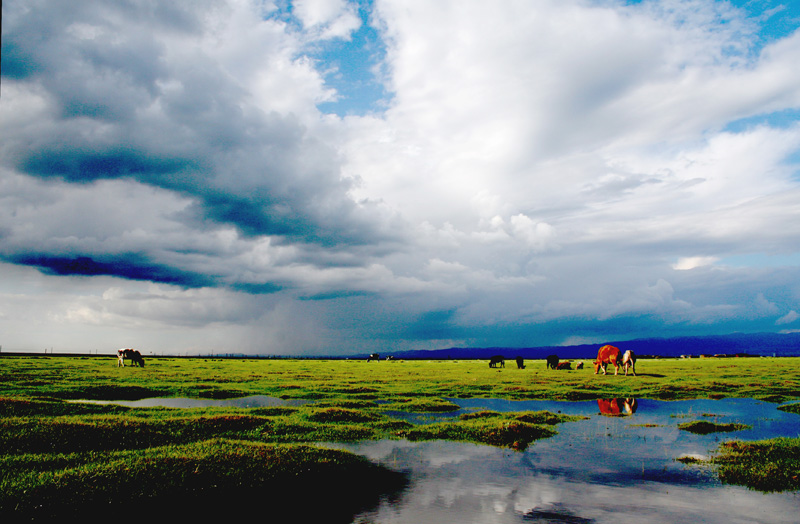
(788, 318)
(335, 18)
(686, 263)
(561, 161)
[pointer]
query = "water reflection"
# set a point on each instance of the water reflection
(600, 470)
(255, 401)
(605, 469)
(617, 406)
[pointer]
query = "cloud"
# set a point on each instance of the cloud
(335, 18)
(536, 174)
(176, 101)
(686, 263)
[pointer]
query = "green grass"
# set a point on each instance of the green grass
(513, 430)
(666, 379)
(765, 465)
(60, 457)
(791, 408)
(186, 479)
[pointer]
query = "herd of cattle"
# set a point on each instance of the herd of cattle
(605, 356)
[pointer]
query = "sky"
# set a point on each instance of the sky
(333, 177)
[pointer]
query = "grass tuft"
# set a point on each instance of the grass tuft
(704, 427)
(765, 465)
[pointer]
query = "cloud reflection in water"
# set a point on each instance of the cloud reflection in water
(602, 470)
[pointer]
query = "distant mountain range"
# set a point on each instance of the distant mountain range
(751, 344)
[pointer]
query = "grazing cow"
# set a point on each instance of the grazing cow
(607, 355)
(617, 406)
(373, 356)
(497, 359)
(520, 363)
(579, 365)
(563, 365)
(629, 361)
(132, 354)
(552, 362)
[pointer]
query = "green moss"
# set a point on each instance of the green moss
(50, 447)
(704, 427)
(504, 433)
(480, 414)
(422, 405)
(791, 408)
(335, 414)
(766, 465)
(187, 477)
(514, 430)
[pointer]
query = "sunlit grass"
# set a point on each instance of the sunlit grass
(54, 451)
(765, 465)
(772, 379)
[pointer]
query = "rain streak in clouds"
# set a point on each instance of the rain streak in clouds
(324, 177)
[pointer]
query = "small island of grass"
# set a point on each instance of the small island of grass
(704, 427)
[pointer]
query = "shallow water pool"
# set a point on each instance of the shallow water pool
(606, 469)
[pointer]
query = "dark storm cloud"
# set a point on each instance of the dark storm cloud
(129, 266)
(80, 166)
(131, 94)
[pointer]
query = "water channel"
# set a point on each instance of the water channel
(605, 469)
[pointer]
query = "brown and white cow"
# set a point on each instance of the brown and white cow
(629, 362)
(605, 356)
(617, 406)
(129, 353)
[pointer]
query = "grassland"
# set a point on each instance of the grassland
(60, 458)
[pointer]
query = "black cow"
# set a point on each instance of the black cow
(520, 363)
(373, 356)
(497, 359)
(552, 362)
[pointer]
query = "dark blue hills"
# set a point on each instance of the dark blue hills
(743, 344)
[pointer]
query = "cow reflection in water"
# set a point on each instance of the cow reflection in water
(617, 406)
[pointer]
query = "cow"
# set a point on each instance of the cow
(563, 365)
(373, 356)
(552, 362)
(497, 359)
(129, 353)
(617, 406)
(579, 365)
(629, 361)
(520, 363)
(605, 356)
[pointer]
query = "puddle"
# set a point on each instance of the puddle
(255, 401)
(618, 466)
(607, 469)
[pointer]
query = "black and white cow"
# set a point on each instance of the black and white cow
(133, 355)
